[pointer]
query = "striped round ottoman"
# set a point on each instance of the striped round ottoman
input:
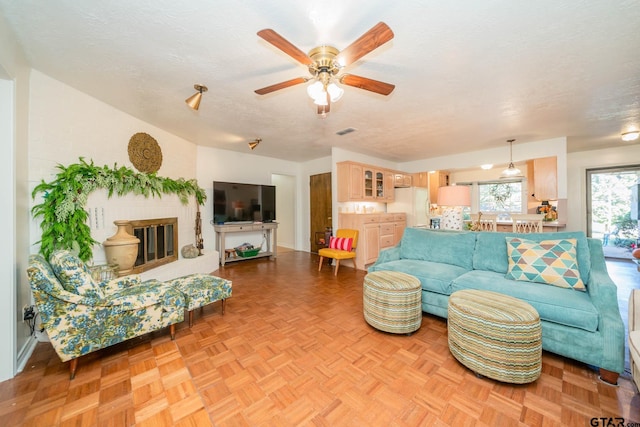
(392, 301)
(495, 335)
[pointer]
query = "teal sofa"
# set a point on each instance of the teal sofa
(585, 326)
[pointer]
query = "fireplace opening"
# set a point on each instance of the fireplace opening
(158, 242)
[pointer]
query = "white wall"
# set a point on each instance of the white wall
(14, 287)
(223, 165)
(82, 126)
(285, 209)
(312, 167)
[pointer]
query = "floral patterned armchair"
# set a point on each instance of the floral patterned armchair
(82, 316)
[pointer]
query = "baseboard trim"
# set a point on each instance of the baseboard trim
(25, 353)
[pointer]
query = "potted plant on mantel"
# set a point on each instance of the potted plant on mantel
(62, 211)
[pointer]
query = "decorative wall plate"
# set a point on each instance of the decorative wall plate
(145, 153)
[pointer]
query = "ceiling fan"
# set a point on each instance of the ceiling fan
(325, 62)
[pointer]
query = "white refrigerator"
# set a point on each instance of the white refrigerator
(414, 201)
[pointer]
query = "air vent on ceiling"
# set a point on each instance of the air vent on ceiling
(345, 131)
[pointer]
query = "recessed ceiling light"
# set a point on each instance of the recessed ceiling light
(486, 167)
(631, 135)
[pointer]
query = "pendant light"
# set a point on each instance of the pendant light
(511, 171)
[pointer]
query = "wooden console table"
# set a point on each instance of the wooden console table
(269, 228)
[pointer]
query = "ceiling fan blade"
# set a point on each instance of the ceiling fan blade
(284, 45)
(375, 37)
(281, 85)
(367, 84)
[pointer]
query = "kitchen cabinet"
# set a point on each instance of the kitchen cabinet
(376, 231)
(437, 179)
(421, 179)
(545, 178)
(399, 224)
(402, 180)
(364, 183)
(389, 189)
(387, 235)
(350, 181)
(371, 243)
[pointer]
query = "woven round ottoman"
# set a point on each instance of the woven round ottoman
(495, 335)
(392, 301)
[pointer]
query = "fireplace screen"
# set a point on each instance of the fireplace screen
(158, 242)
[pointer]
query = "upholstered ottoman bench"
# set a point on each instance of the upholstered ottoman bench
(200, 290)
(392, 301)
(495, 335)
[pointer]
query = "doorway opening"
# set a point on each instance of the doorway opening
(285, 210)
(612, 209)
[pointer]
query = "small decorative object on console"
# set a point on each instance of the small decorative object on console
(247, 250)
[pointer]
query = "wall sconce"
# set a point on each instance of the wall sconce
(253, 144)
(194, 100)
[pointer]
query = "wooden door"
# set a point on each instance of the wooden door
(320, 208)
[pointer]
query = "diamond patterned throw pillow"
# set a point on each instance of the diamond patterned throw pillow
(552, 262)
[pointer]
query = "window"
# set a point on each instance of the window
(498, 196)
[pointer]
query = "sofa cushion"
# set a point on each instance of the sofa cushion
(552, 262)
(434, 276)
(74, 275)
(448, 247)
(491, 250)
(554, 304)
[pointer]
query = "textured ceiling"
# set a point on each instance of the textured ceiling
(469, 74)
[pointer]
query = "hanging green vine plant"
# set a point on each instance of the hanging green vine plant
(63, 214)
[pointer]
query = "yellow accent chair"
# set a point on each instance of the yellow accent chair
(338, 254)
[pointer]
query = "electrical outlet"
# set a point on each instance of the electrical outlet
(29, 312)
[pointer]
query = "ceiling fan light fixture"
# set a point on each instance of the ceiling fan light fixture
(335, 92)
(325, 63)
(194, 100)
(315, 90)
(631, 135)
(322, 100)
(318, 93)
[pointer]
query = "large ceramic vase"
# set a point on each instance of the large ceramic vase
(122, 248)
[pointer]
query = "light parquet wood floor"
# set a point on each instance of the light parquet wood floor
(293, 349)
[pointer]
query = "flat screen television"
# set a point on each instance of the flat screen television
(235, 202)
